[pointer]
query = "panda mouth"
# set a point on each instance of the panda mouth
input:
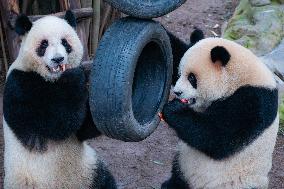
(57, 69)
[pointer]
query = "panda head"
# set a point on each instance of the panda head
(214, 68)
(49, 45)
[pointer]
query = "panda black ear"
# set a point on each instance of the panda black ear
(23, 24)
(70, 18)
(196, 35)
(221, 54)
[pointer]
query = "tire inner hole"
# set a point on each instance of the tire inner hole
(148, 83)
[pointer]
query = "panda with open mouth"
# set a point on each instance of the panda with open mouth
(225, 113)
(46, 111)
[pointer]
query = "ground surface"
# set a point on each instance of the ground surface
(145, 165)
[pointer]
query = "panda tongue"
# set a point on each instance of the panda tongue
(184, 100)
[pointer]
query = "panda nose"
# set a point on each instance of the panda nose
(57, 60)
(178, 93)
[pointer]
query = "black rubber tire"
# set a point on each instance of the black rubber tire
(145, 8)
(130, 79)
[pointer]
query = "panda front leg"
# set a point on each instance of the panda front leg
(103, 178)
(177, 180)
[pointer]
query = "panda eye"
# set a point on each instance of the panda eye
(67, 46)
(42, 48)
(44, 44)
(192, 80)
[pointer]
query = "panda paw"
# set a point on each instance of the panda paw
(175, 106)
(173, 110)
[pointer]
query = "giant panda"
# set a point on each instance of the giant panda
(46, 111)
(225, 113)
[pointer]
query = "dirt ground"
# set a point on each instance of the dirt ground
(145, 165)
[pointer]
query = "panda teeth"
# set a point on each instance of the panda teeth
(57, 69)
(60, 68)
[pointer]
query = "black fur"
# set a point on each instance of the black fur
(228, 125)
(23, 24)
(37, 110)
(179, 48)
(177, 180)
(220, 53)
(70, 18)
(103, 178)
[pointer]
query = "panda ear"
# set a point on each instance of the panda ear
(196, 36)
(23, 24)
(221, 54)
(70, 18)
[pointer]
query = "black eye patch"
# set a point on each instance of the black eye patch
(192, 79)
(42, 48)
(67, 46)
